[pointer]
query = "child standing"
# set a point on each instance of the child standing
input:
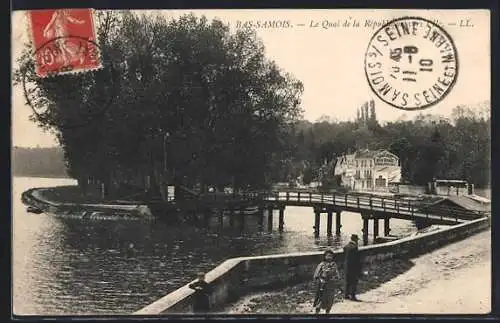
(325, 276)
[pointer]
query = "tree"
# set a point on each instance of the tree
(373, 122)
(365, 106)
(226, 109)
(428, 146)
(308, 175)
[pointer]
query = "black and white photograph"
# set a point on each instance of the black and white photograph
(250, 161)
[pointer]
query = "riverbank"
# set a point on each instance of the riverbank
(54, 200)
(73, 194)
(462, 269)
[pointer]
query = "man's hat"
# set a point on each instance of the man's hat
(354, 237)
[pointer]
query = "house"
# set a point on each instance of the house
(450, 187)
(368, 170)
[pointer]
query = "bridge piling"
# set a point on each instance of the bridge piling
(206, 219)
(260, 215)
(231, 217)
(281, 218)
(338, 224)
(221, 218)
(241, 217)
(270, 219)
(365, 230)
(375, 228)
(387, 228)
(329, 223)
(317, 220)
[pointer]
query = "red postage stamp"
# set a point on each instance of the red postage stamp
(64, 41)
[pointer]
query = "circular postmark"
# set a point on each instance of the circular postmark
(411, 63)
(83, 92)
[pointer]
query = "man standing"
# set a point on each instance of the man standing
(352, 268)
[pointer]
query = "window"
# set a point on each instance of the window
(386, 161)
(380, 182)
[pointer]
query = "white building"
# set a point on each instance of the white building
(370, 170)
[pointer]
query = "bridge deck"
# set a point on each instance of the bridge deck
(375, 206)
(372, 205)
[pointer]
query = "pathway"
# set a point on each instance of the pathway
(455, 279)
(451, 280)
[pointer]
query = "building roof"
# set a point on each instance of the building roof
(450, 181)
(463, 202)
(470, 203)
(366, 153)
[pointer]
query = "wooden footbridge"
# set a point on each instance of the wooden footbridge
(428, 209)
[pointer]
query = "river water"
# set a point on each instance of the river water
(64, 266)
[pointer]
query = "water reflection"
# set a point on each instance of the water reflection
(74, 266)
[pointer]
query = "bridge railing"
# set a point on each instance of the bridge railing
(228, 198)
(403, 207)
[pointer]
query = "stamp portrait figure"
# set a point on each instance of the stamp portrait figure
(64, 41)
(57, 28)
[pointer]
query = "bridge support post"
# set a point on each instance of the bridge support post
(206, 218)
(387, 227)
(241, 219)
(365, 230)
(270, 219)
(316, 222)
(338, 223)
(281, 219)
(260, 214)
(221, 218)
(375, 228)
(231, 218)
(329, 223)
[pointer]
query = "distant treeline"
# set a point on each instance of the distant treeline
(38, 162)
(428, 146)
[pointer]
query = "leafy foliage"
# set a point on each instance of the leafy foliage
(186, 89)
(428, 147)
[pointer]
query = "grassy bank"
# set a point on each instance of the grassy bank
(73, 194)
(70, 194)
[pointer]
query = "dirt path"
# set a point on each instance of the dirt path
(455, 279)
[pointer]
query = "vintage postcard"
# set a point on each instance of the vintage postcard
(228, 162)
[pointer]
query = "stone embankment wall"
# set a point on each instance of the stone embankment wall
(239, 276)
(34, 197)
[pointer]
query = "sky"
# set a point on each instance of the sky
(328, 59)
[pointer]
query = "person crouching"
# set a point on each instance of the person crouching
(202, 291)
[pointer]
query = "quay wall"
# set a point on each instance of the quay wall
(34, 197)
(236, 277)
